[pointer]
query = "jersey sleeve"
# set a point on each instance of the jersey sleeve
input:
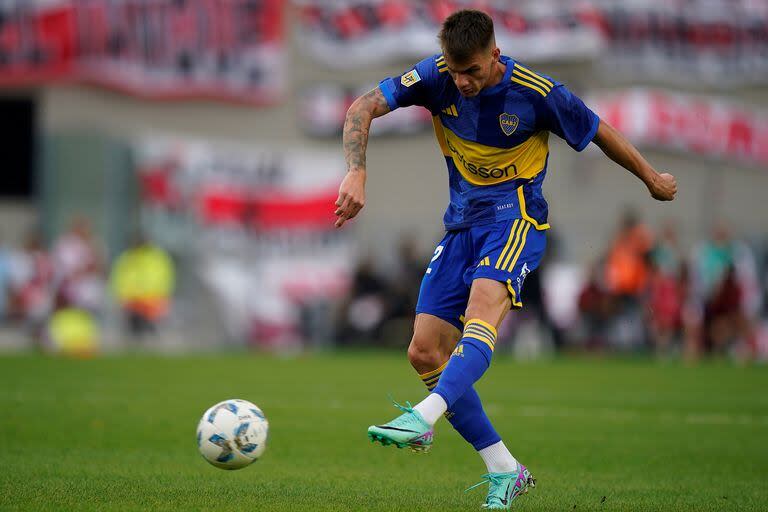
(569, 118)
(417, 86)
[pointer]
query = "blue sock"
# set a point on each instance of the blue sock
(468, 362)
(467, 415)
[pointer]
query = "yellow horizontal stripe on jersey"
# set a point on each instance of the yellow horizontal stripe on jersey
(487, 165)
(529, 85)
(509, 266)
(512, 236)
(532, 80)
(524, 212)
(535, 75)
(455, 112)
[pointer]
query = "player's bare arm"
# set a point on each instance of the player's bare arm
(355, 138)
(662, 187)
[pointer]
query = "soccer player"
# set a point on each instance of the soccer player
(492, 117)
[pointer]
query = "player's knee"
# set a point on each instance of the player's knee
(423, 355)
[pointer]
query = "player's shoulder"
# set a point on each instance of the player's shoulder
(432, 68)
(528, 82)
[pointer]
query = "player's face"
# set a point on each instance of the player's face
(472, 75)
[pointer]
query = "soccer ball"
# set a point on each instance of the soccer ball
(232, 434)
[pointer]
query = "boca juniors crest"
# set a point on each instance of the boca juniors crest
(508, 123)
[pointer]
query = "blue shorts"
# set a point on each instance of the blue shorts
(503, 251)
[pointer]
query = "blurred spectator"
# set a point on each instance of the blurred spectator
(724, 321)
(626, 269)
(666, 255)
(727, 285)
(142, 281)
(712, 259)
(404, 289)
(626, 277)
(33, 278)
(667, 291)
(596, 308)
(83, 289)
(362, 315)
(665, 299)
(78, 268)
(75, 251)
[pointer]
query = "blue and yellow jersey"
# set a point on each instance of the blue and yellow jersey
(496, 143)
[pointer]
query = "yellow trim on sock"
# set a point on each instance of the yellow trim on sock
(433, 372)
(477, 331)
(483, 323)
(478, 338)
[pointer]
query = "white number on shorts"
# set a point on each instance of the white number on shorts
(438, 252)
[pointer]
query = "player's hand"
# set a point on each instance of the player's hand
(663, 187)
(351, 197)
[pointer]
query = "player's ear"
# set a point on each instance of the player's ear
(496, 53)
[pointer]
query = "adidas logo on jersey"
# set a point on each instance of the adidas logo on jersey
(451, 111)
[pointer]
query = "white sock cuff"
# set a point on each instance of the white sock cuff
(431, 408)
(498, 459)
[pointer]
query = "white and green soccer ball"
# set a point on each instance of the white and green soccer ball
(232, 434)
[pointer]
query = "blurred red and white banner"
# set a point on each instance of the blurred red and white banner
(723, 42)
(691, 124)
(259, 225)
(221, 49)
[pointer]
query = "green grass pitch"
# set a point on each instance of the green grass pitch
(118, 433)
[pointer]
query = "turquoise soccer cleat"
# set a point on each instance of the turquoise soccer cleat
(407, 430)
(504, 488)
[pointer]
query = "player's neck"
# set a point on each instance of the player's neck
(496, 75)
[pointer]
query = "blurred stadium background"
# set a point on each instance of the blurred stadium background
(170, 167)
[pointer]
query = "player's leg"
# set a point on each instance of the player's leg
(496, 286)
(489, 302)
(508, 252)
(433, 341)
(442, 301)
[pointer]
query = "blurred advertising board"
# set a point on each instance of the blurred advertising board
(257, 225)
(220, 49)
(691, 124)
(723, 42)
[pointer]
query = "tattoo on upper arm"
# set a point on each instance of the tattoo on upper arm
(357, 125)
